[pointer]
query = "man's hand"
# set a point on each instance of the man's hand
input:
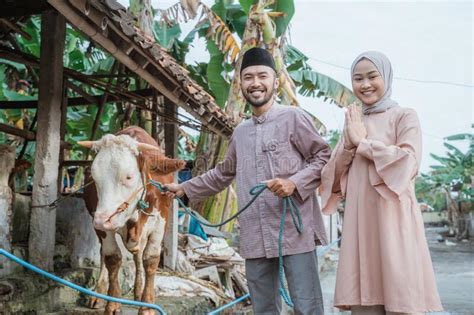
(281, 187)
(174, 190)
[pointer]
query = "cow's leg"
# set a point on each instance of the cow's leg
(138, 288)
(113, 260)
(101, 286)
(151, 259)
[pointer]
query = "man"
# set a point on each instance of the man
(279, 146)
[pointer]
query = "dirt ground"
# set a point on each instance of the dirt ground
(454, 269)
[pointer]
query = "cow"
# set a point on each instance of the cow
(120, 172)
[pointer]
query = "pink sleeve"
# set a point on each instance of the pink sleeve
(395, 165)
(334, 178)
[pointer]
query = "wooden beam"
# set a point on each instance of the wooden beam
(12, 8)
(102, 102)
(91, 99)
(41, 240)
(12, 130)
(74, 101)
(16, 29)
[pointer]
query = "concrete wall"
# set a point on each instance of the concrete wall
(435, 217)
(76, 239)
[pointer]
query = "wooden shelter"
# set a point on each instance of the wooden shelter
(109, 25)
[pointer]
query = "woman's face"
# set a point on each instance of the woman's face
(367, 83)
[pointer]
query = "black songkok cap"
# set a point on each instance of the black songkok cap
(257, 57)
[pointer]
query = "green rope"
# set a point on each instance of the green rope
(288, 203)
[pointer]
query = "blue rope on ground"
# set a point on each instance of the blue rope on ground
(226, 306)
(244, 297)
(77, 287)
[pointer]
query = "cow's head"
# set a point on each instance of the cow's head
(118, 171)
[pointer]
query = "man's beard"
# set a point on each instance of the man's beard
(260, 102)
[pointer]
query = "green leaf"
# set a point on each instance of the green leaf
(218, 85)
(14, 96)
(456, 151)
(312, 83)
(238, 20)
(220, 9)
(287, 7)
(166, 35)
(71, 44)
(246, 4)
(442, 160)
(16, 65)
(461, 136)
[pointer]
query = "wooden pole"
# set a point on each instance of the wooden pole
(45, 186)
(62, 136)
(171, 150)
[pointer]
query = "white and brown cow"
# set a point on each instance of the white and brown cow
(124, 162)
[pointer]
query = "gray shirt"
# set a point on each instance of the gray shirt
(280, 143)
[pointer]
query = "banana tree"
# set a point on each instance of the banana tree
(453, 178)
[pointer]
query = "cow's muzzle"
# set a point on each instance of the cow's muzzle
(104, 222)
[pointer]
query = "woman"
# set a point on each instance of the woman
(384, 263)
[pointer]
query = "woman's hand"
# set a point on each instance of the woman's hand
(355, 127)
(348, 145)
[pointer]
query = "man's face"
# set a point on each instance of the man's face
(258, 84)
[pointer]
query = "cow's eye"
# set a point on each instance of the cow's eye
(129, 177)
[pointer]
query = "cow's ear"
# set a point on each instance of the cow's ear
(165, 165)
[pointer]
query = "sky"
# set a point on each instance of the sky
(427, 41)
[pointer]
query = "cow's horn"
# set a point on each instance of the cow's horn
(87, 144)
(146, 146)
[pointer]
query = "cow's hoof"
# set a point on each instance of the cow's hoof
(146, 311)
(95, 303)
(112, 309)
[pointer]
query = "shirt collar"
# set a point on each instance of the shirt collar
(262, 118)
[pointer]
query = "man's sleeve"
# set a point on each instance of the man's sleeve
(315, 152)
(214, 180)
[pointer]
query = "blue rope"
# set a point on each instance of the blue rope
(76, 287)
(255, 192)
(226, 306)
(319, 253)
(288, 203)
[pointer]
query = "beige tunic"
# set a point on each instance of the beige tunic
(384, 257)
